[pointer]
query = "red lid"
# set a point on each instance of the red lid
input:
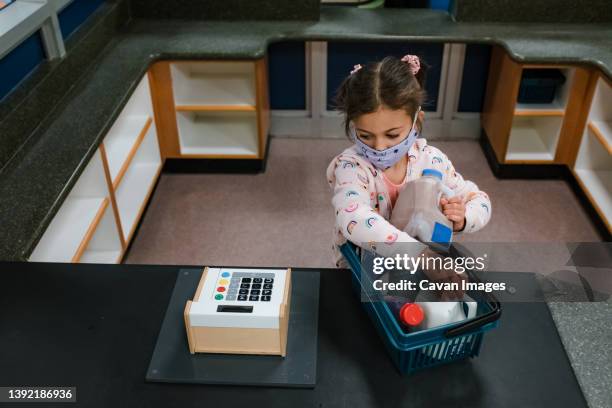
(411, 314)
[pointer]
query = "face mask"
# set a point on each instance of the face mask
(383, 159)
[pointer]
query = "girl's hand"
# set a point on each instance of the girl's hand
(454, 209)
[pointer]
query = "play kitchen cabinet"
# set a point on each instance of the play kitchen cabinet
(212, 109)
(592, 163)
(179, 110)
(572, 130)
(99, 216)
(526, 133)
(83, 219)
(134, 161)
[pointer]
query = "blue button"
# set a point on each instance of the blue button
(225, 274)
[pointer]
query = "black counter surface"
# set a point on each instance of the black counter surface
(95, 327)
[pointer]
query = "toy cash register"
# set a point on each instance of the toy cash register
(240, 311)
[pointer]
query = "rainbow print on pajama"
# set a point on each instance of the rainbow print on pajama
(363, 179)
(370, 222)
(352, 207)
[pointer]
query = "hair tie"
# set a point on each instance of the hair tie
(413, 62)
(356, 68)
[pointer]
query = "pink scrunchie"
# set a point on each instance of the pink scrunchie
(413, 62)
(356, 68)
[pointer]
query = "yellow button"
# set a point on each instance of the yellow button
(223, 282)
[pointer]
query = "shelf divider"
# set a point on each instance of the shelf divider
(145, 201)
(132, 153)
(90, 231)
(538, 112)
(597, 185)
(113, 199)
(216, 108)
(603, 131)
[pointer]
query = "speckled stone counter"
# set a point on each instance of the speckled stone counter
(586, 332)
(38, 178)
(542, 11)
(227, 9)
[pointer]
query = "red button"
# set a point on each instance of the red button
(411, 314)
(220, 289)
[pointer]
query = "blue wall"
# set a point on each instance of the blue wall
(341, 56)
(23, 59)
(287, 75)
(20, 62)
(474, 81)
(440, 4)
(287, 71)
(74, 14)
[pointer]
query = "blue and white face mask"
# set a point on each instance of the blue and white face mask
(383, 159)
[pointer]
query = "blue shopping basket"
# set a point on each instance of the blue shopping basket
(415, 351)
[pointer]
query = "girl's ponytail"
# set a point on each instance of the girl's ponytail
(421, 76)
(417, 67)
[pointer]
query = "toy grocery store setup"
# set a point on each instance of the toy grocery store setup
(102, 103)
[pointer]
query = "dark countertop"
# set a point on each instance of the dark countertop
(35, 182)
(227, 9)
(95, 326)
(549, 11)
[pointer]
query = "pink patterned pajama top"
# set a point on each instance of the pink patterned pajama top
(362, 202)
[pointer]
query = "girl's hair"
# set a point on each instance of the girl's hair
(389, 82)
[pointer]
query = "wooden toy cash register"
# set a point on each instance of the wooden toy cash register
(240, 311)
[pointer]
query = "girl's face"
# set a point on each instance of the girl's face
(384, 128)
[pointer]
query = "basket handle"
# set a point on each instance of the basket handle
(474, 324)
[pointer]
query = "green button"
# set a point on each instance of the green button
(219, 296)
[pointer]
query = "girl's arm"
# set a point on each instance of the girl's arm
(358, 221)
(477, 203)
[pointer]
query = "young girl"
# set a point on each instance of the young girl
(381, 103)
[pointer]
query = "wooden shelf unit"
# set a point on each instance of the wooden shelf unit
(533, 138)
(74, 224)
(529, 133)
(97, 220)
(592, 164)
(223, 112)
(136, 185)
(602, 129)
(213, 82)
(216, 108)
(537, 111)
(557, 106)
(211, 109)
(206, 133)
(127, 128)
(104, 244)
(134, 164)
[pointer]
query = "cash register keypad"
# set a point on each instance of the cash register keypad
(245, 286)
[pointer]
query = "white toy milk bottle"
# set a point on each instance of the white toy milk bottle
(417, 209)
